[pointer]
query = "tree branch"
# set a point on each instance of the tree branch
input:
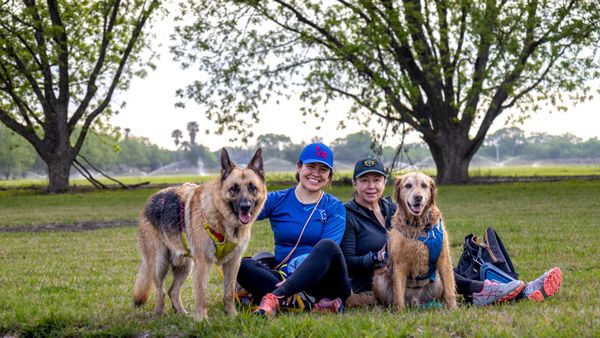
(144, 15)
(41, 43)
(107, 29)
(61, 41)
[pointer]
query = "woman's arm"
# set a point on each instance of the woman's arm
(336, 222)
(356, 264)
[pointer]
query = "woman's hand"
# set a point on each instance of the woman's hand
(382, 254)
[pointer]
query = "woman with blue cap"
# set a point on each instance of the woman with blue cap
(308, 225)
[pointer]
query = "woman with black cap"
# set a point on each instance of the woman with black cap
(368, 218)
(308, 225)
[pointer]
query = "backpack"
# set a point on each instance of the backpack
(486, 260)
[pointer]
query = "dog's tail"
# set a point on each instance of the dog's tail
(143, 285)
(366, 298)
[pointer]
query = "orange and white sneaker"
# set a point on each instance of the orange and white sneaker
(544, 286)
(268, 305)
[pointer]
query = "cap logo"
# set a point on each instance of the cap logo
(369, 163)
(320, 153)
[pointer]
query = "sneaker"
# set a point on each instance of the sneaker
(544, 286)
(494, 292)
(268, 305)
(327, 305)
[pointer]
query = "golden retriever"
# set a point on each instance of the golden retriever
(409, 277)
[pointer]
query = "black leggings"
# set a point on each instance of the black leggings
(465, 286)
(322, 274)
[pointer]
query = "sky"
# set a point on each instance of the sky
(150, 112)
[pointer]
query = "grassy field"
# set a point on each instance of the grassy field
(510, 171)
(80, 283)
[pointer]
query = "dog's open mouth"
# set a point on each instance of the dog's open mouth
(415, 208)
(244, 217)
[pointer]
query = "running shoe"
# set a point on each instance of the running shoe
(327, 305)
(268, 305)
(494, 292)
(544, 286)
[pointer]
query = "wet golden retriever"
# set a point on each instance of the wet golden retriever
(414, 275)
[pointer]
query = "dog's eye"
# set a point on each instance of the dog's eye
(234, 189)
(424, 186)
(252, 188)
(408, 186)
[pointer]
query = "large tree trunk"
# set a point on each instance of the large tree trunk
(58, 173)
(452, 158)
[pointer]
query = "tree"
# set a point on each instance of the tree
(60, 63)
(445, 68)
(16, 156)
(192, 128)
(506, 142)
(176, 135)
(272, 145)
(353, 147)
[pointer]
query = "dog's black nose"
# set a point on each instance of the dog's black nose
(418, 198)
(245, 206)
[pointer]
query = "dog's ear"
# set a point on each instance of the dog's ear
(398, 189)
(256, 164)
(226, 164)
(432, 190)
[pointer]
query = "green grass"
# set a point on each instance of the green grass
(80, 283)
(572, 170)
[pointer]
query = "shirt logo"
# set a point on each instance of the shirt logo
(323, 215)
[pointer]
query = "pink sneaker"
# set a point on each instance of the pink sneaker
(268, 305)
(326, 305)
(544, 286)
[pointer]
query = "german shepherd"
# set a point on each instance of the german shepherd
(204, 224)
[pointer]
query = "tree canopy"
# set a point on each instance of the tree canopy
(60, 64)
(445, 68)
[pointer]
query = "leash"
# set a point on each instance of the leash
(282, 263)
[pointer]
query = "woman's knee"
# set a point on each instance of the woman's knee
(328, 247)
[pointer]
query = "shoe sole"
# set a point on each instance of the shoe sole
(512, 294)
(552, 284)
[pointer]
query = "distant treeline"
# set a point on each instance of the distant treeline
(134, 155)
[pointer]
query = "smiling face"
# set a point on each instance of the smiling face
(415, 192)
(313, 176)
(369, 188)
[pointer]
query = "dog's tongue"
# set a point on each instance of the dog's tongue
(416, 208)
(244, 218)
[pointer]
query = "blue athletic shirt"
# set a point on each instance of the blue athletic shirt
(288, 215)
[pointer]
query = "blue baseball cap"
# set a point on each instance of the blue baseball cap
(317, 153)
(368, 165)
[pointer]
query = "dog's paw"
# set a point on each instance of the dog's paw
(451, 305)
(201, 315)
(231, 311)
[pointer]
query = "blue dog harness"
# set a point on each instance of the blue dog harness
(433, 240)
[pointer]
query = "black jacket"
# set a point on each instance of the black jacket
(364, 236)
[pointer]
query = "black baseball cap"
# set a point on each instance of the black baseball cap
(368, 165)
